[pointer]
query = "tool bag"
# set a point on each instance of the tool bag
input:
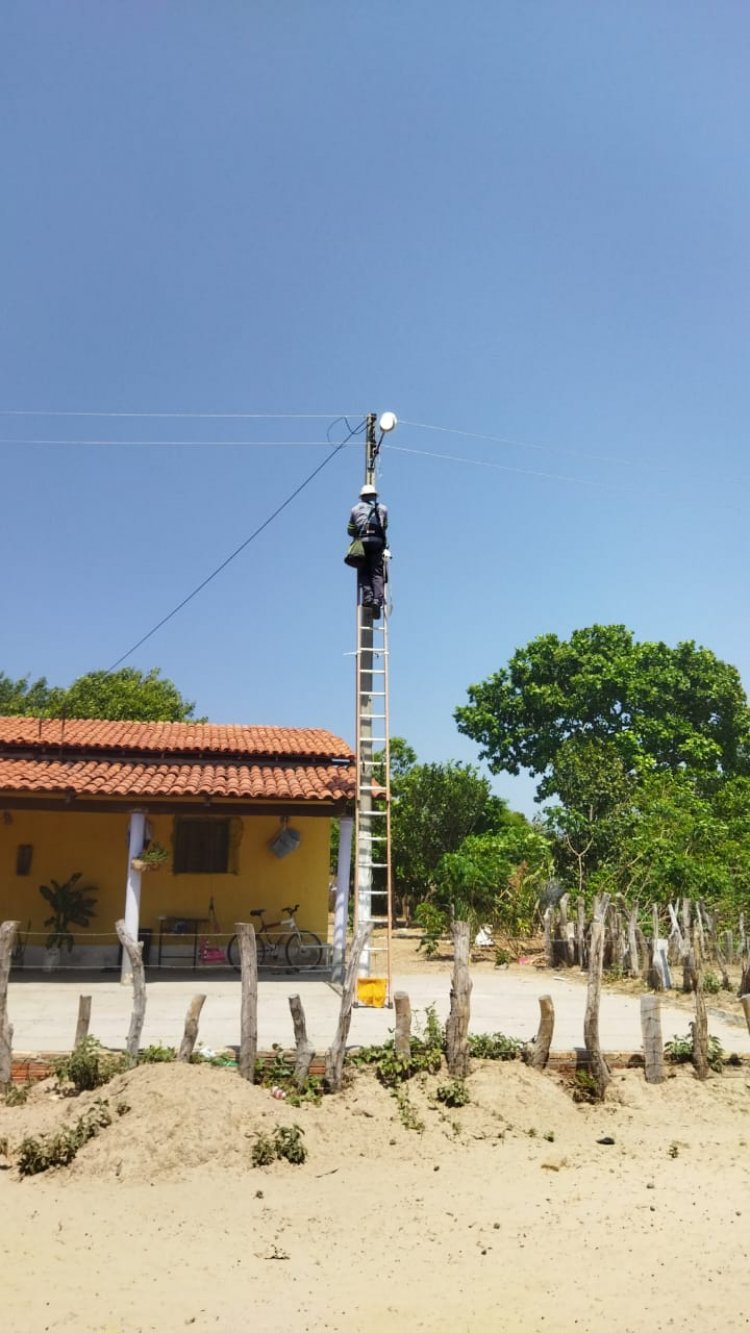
(355, 556)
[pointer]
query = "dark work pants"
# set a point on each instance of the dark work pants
(371, 576)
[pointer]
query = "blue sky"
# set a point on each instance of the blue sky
(519, 220)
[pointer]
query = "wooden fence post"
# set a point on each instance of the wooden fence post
(134, 950)
(536, 1054)
(597, 1063)
(653, 1043)
(402, 1035)
(305, 1051)
(657, 967)
(549, 944)
(700, 1026)
(190, 1034)
(745, 1002)
(7, 937)
(634, 962)
(84, 1019)
(337, 1050)
(457, 1027)
(581, 932)
(566, 933)
(248, 1001)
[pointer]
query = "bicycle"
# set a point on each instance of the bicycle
(301, 948)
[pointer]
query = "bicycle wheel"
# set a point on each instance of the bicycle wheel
(233, 952)
(304, 950)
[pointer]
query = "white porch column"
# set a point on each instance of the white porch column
(136, 839)
(346, 827)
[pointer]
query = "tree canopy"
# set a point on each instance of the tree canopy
(655, 707)
(124, 695)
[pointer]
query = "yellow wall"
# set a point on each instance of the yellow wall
(96, 844)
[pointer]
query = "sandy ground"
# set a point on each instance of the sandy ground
(505, 1214)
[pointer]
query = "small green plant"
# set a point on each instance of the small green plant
(285, 1143)
(289, 1145)
(434, 923)
(674, 1150)
(531, 1133)
(454, 1093)
(157, 1055)
(72, 905)
(274, 1072)
(153, 855)
(494, 1046)
(37, 1154)
(502, 957)
(680, 1051)
(406, 1111)
(89, 1066)
(585, 1087)
(264, 1151)
(711, 983)
(17, 1094)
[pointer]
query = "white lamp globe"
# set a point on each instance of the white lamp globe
(388, 421)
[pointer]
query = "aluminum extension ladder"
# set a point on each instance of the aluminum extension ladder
(372, 822)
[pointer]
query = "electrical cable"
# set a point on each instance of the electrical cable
(237, 550)
(503, 467)
(356, 430)
(537, 448)
(215, 416)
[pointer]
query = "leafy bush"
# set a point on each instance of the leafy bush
(17, 1094)
(89, 1066)
(434, 923)
(454, 1093)
(285, 1143)
(157, 1055)
(711, 983)
(494, 1046)
(37, 1154)
(680, 1051)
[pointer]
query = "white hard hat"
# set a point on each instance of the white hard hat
(367, 491)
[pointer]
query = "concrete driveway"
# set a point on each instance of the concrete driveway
(43, 1010)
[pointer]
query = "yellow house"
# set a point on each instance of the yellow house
(91, 796)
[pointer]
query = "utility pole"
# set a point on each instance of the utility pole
(365, 748)
(373, 892)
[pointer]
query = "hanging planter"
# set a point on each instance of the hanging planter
(154, 857)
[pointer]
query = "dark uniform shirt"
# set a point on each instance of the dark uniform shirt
(368, 520)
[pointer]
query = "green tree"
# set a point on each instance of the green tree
(127, 695)
(25, 697)
(495, 878)
(680, 841)
(436, 806)
(658, 707)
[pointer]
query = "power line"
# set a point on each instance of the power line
(503, 467)
(214, 416)
(238, 549)
(537, 448)
(257, 443)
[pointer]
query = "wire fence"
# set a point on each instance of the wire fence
(182, 946)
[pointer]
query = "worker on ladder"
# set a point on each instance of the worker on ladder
(368, 521)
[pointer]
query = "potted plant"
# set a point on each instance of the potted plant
(72, 905)
(152, 857)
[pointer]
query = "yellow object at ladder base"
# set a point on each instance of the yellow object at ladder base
(372, 991)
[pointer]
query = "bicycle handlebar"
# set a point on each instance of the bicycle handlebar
(291, 910)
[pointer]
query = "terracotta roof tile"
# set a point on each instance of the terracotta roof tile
(202, 738)
(116, 759)
(263, 782)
